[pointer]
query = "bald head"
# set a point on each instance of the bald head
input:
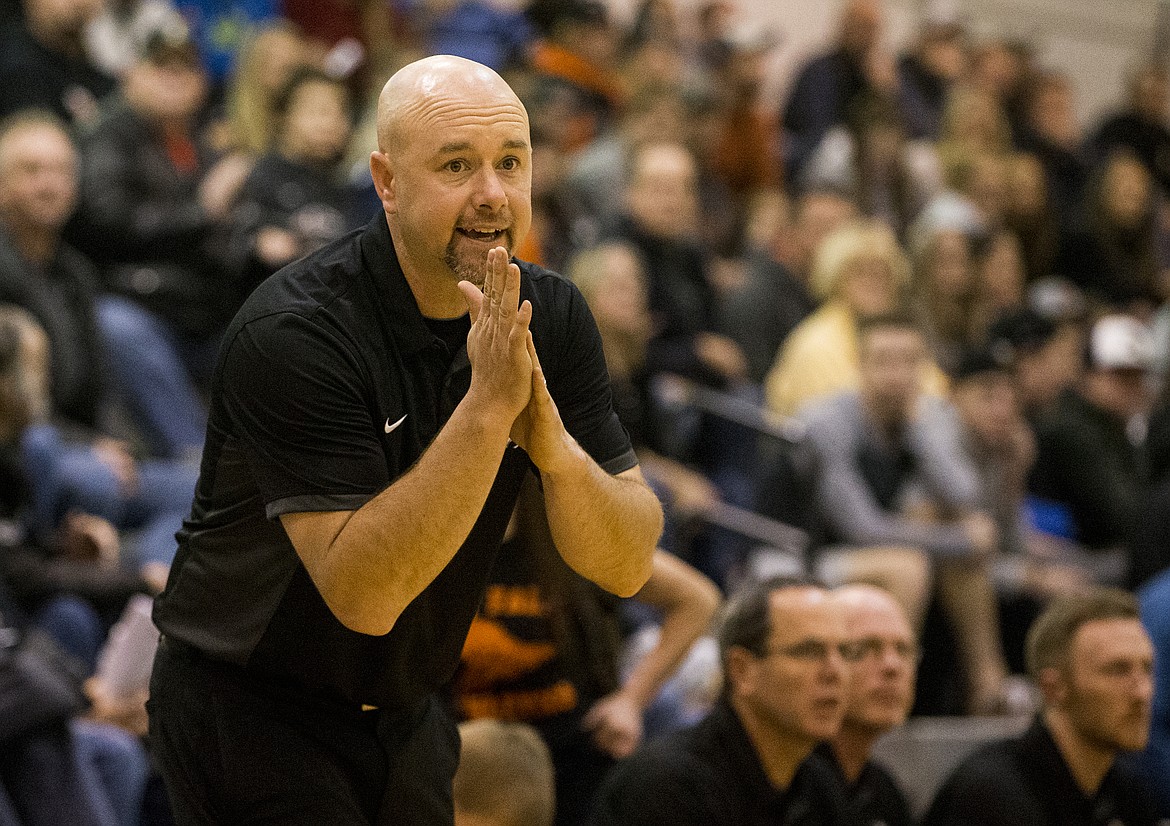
(419, 91)
(881, 685)
(454, 172)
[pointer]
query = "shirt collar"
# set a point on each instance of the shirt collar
(380, 260)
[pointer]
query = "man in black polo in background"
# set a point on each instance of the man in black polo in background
(366, 442)
(883, 662)
(1093, 662)
(783, 648)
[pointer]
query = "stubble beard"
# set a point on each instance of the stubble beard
(467, 267)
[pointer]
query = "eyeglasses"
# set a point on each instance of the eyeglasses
(876, 647)
(810, 650)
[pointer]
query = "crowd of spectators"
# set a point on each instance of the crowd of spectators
(939, 301)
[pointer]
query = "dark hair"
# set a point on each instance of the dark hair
(746, 623)
(301, 76)
(1050, 637)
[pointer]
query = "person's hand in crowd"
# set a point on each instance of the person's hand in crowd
(221, 185)
(276, 246)
(983, 534)
(84, 536)
(128, 713)
(692, 494)
(722, 355)
(115, 454)
(498, 342)
(155, 575)
(615, 722)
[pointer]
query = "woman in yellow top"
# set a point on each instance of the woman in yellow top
(859, 270)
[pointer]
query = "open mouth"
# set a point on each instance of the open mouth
(483, 236)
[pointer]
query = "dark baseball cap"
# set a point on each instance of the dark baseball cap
(1020, 332)
(171, 42)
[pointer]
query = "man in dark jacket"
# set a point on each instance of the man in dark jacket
(1093, 662)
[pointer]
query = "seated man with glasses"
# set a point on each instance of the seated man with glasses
(783, 647)
(883, 661)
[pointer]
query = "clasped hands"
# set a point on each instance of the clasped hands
(506, 376)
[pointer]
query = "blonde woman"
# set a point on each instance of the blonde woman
(858, 271)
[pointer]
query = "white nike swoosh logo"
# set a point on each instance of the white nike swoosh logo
(390, 427)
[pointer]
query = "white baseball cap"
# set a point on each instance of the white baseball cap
(1121, 342)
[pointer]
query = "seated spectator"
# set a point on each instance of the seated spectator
(267, 60)
(574, 63)
(1029, 215)
(882, 668)
(894, 486)
(1090, 452)
(828, 84)
(58, 285)
(1000, 444)
(999, 282)
(293, 202)
(1154, 598)
(505, 776)
(1051, 133)
(928, 73)
(486, 32)
(783, 648)
(544, 650)
(1114, 259)
(1140, 127)
(661, 222)
(1092, 660)
(612, 279)
(1045, 358)
(858, 271)
(943, 290)
(43, 62)
(151, 203)
(98, 477)
(775, 295)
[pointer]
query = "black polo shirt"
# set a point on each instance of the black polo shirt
(873, 799)
(710, 775)
(1025, 781)
(330, 385)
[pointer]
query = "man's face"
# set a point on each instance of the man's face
(1108, 686)
(988, 405)
(796, 690)
(460, 181)
(881, 677)
(891, 371)
(38, 177)
(167, 90)
(316, 125)
(663, 199)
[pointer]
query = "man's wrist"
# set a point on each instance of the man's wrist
(565, 462)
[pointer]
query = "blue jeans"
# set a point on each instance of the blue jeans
(152, 370)
(66, 476)
(114, 768)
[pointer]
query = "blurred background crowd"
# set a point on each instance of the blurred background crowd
(908, 325)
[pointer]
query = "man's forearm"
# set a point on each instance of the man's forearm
(369, 564)
(605, 527)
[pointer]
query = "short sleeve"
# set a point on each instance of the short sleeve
(295, 398)
(579, 383)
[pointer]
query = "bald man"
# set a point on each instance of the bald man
(883, 661)
(374, 410)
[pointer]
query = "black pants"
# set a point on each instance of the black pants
(234, 749)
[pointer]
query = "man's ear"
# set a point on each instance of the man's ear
(739, 671)
(382, 171)
(1053, 686)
